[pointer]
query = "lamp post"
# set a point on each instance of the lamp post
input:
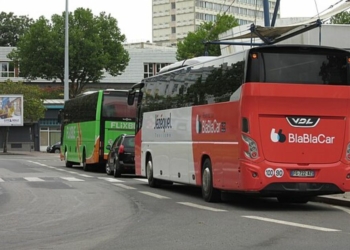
(66, 57)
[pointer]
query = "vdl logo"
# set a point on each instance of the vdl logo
(277, 137)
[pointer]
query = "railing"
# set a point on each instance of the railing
(7, 74)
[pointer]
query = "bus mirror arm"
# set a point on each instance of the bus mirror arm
(131, 98)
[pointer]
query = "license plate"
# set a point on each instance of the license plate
(302, 173)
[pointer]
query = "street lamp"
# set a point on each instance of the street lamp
(66, 58)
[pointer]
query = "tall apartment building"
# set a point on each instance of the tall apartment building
(173, 19)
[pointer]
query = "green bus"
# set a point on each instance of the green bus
(92, 121)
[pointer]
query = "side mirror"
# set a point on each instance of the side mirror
(108, 147)
(131, 97)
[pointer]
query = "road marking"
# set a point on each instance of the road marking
(109, 179)
(38, 163)
(1, 180)
(71, 179)
(84, 175)
(324, 229)
(201, 207)
(154, 195)
(33, 179)
(123, 186)
(143, 180)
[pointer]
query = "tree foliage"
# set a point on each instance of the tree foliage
(341, 18)
(193, 46)
(12, 27)
(95, 46)
(33, 107)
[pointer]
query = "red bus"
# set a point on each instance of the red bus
(271, 121)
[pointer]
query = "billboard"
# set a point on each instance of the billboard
(11, 110)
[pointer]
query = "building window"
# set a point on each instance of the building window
(7, 69)
(151, 69)
(173, 30)
(173, 18)
(173, 6)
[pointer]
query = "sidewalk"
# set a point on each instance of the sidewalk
(336, 199)
(28, 153)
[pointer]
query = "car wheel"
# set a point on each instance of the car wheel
(57, 151)
(117, 170)
(108, 169)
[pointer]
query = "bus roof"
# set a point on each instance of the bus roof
(104, 90)
(185, 63)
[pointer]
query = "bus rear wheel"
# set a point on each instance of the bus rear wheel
(209, 193)
(149, 170)
(85, 166)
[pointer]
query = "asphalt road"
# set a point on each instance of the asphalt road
(44, 205)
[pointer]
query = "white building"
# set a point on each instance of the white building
(173, 19)
(146, 59)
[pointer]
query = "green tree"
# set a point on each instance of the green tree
(95, 46)
(33, 107)
(193, 46)
(12, 27)
(341, 18)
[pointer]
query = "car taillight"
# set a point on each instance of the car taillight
(121, 149)
(252, 152)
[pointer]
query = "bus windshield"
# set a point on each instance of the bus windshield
(115, 105)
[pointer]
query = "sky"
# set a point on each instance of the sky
(135, 16)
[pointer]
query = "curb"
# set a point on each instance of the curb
(338, 201)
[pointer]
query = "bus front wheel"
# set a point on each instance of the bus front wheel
(68, 163)
(149, 170)
(209, 193)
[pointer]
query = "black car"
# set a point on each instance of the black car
(55, 148)
(121, 156)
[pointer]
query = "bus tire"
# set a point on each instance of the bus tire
(116, 170)
(149, 170)
(68, 163)
(209, 193)
(85, 165)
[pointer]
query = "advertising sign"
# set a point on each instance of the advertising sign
(11, 110)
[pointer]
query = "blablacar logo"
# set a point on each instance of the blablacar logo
(277, 137)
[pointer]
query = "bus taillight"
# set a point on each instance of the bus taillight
(347, 156)
(252, 152)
